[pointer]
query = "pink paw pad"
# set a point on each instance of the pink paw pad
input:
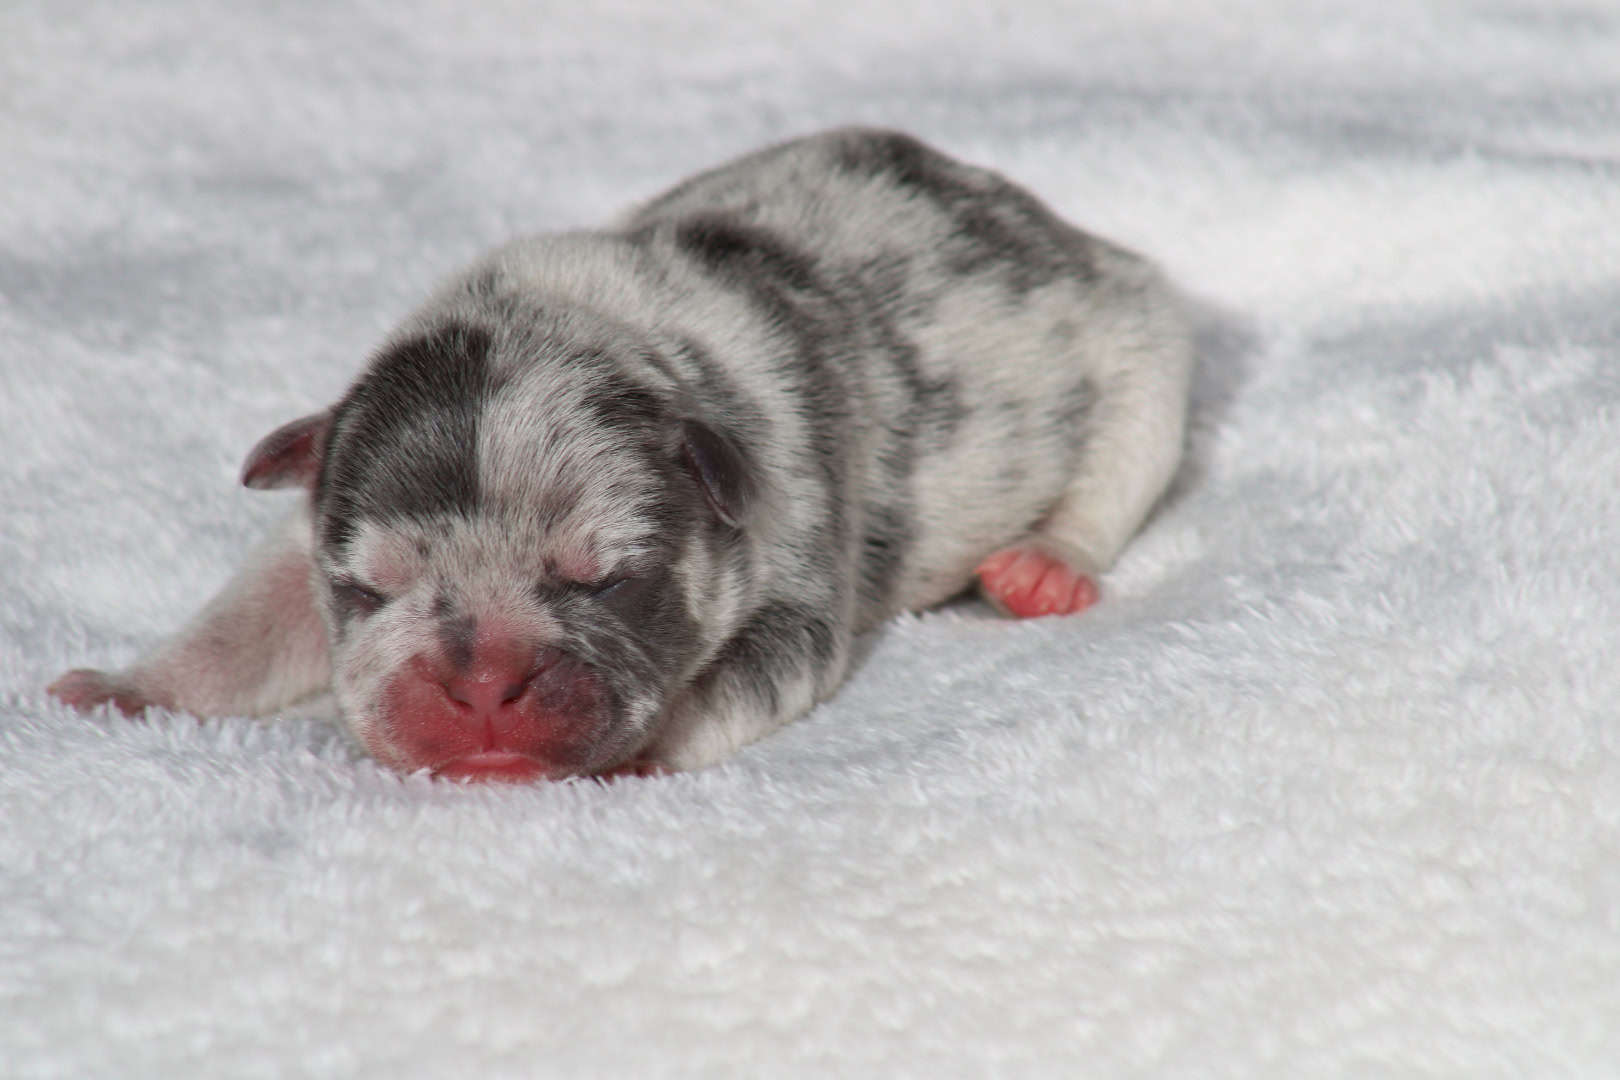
(85, 689)
(1027, 582)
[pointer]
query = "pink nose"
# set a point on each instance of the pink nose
(488, 689)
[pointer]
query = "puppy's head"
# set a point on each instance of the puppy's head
(525, 544)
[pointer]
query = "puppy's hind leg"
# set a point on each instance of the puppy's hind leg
(1132, 448)
(258, 645)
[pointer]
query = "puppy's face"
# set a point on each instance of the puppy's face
(522, 548)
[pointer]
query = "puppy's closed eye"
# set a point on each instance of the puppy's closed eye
(355, 600)
(609, 586)
(633, 598)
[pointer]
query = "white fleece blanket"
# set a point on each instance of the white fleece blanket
(1329, 784)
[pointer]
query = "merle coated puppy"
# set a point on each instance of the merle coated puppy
(619, 500)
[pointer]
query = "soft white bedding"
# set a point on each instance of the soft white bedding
(1329, 784)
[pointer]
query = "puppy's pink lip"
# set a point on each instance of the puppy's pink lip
(499, 766)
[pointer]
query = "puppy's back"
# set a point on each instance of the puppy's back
(990, 329)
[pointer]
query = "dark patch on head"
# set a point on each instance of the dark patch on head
(404, 440)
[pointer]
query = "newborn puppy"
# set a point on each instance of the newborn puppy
(619, 500)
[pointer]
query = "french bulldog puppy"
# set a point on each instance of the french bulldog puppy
(617, 501)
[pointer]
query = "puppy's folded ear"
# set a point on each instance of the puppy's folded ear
(289, 456)
(722, 473)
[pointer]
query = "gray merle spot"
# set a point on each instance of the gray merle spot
(404, 439)
(997, 225)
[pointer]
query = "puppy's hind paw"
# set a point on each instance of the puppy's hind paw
(85, 689)
(1027, 580)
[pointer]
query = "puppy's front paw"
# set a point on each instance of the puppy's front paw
(86, 689)
(1028, 580)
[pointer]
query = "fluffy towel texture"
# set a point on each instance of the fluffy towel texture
(1329, 783)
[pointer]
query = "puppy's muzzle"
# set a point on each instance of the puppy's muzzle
(506, 710)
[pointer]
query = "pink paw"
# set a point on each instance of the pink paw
(85, 689)
(1026, 582)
